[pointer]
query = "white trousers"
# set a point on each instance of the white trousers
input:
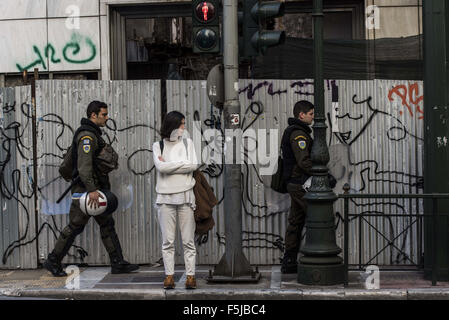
(167, 215)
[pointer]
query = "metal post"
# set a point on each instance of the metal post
(420, 240)
(25, 77)
(346, 234)
(233, 266)
(34, 130)
(434, 241)
(436, 133)
(360, 241)
(320, 264)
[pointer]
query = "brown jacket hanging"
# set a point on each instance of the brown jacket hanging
(205, 202)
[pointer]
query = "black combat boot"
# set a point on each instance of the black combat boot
(66, 239)
(118, 264)
(122, 266)
(53, 264)
(289, 262)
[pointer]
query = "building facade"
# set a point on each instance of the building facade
(140, 39)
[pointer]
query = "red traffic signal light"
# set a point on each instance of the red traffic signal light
(205, 11)
(205, 26)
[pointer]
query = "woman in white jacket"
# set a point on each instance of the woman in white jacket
(175, 197)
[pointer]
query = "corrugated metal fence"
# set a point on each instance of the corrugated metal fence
(134, 112)
(375, 137)
(18, 248)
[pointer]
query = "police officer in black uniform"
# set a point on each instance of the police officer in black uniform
(89, 144)
(296, 147)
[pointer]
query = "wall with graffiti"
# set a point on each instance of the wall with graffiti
(17, 222)
(375, 138)
(49, 35)
(134, 116)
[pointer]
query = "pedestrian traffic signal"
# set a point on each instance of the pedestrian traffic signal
(205, 26)
(256, 14)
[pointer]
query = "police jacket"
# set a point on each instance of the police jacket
(296, 147)
(89, 144)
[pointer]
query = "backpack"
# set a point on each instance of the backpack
(66, 166)
(286, 163)
(278, 182)
(107, 159)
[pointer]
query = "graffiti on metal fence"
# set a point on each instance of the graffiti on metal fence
(410, 98)
(362, 173)
(299, 87)
(252, 113)
(13, 138)
(359, 173)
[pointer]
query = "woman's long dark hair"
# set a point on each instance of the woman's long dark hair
(172, 121)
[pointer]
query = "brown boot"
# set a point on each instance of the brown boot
(169, 282)
(190, 282)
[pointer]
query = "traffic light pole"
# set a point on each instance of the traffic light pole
(233, 266)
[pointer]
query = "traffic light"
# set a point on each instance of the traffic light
(256, 14)
(205, 26)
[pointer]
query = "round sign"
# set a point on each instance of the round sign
(215, 89)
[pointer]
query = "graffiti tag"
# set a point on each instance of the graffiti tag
(70, 53)
(409, 96)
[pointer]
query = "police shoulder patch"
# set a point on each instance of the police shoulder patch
(302, 144)
(86, 148)
(300, 137)
(86, 138)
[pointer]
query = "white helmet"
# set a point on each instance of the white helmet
(91, 210)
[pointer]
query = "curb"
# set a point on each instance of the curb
(428, 294)
(230, 294)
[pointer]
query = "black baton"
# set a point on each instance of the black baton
(74, 182)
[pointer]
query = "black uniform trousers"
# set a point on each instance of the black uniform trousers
(78, 221)
(296, 218)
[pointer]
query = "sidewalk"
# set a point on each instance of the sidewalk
(98, 283)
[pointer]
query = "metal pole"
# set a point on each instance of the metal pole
(233, 266)
(436, 133)
(434, 241)
(346, 234)
(320, 264)
(360, 241)
(25, 77)
(35, 186)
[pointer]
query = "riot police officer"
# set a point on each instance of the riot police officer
(89, 143)
(296, 147)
